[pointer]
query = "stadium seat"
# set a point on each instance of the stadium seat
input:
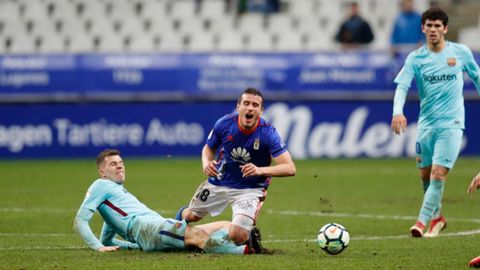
(158, 26)
(251, 22)
(289, 41)
(140, 43)
(21, 43)
(51, 44)
(201, 42)
(79, 42)
(303, 8)
(213, 8)
(190, 26)
(12, 27)
(230, 42)
(259, 41)
(129, 26)
(280, 22)
(152, 10)
(9, 11)
(183, 9)
(220, 25)
(319, 41)
(35, 10)
(170, 42)
(99, 26)
(110, 43)
(120, 9)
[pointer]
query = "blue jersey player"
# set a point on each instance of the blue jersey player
(438, 68)
(140, 227)
(246, 145)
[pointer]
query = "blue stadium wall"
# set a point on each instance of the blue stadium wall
(324, 105)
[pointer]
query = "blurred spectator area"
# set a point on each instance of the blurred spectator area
(82, 26)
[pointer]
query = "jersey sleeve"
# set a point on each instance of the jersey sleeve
(275, 143)
(407, 73)
(96, 194)
(472, 69)
(403, 81)
(107, 238)
(214, 138)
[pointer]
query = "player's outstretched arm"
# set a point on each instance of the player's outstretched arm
(82, 227)
(284, 166)
(475, 184)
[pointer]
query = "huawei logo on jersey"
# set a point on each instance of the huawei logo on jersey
(240, 155)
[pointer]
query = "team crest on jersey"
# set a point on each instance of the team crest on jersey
(240, 155)
(452, 61)
(256, 144)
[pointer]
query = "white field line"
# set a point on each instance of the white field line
(44, 248)
(370, 238)
(358, 238)
(273, 212)
(366, 216)
(52, 210)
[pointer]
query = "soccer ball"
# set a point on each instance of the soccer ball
(333, 238)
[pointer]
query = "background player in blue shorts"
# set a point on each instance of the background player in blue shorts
(139, 226)
(438, 68)
(240, 176)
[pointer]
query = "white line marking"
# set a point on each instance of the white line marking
(42, 248)
(367, 216)
(36, 234)
(358, 238)
(53, 210)
(370, 238)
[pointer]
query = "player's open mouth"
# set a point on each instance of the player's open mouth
(249, 116)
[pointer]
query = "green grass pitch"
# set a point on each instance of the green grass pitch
(377, 200)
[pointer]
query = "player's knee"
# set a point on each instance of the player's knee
(439, 173)
(240, 228)
(238, 235)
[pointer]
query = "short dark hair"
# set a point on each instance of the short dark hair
(106, 153)
(251, 91)
(433, 14)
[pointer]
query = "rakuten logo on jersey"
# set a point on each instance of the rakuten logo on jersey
(240, 155)
(439, 78)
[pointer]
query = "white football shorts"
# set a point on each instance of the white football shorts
(212, 199)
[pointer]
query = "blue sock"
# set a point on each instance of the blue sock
(178, 216)
(431, 200)
(436, 213)
(220, 242)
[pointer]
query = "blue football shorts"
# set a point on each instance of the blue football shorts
(438, 146)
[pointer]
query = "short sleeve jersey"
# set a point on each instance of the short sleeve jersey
(238, 147)
(439, 78)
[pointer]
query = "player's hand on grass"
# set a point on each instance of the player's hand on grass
(109, 248)
(475, 184)
(250, 169)
(399, 123)
(210, 169)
